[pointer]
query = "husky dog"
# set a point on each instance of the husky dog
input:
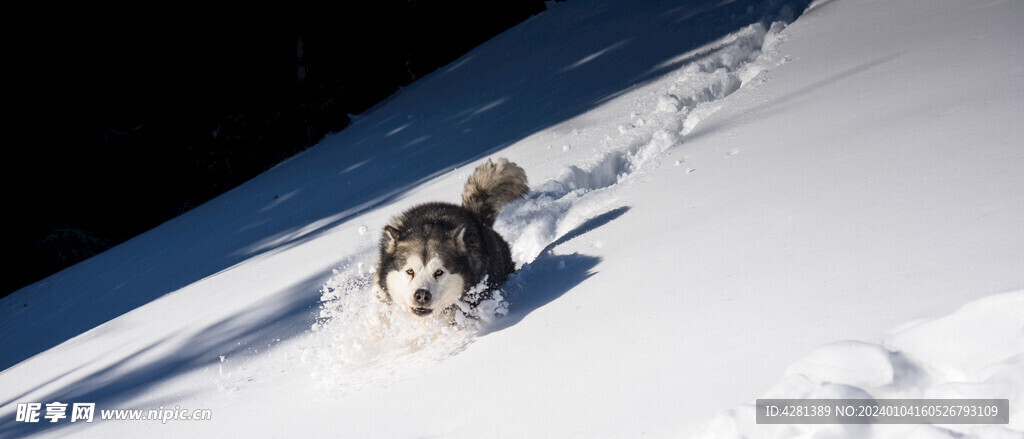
(434, 253)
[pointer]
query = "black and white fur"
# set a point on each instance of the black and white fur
(434, 253)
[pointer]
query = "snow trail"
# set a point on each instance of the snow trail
(578, 192)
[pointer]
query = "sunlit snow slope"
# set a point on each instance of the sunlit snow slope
(726, 204)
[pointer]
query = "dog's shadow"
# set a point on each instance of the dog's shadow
(549, 276)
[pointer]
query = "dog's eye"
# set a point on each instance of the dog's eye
(438, 273)
(410, 272)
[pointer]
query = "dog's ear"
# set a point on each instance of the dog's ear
(464, 241)
(459, 236)
(389, 240)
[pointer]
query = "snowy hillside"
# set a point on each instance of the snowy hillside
(729, 201)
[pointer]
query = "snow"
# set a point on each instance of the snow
(973, 352)
(726, 204)
(847, 362)
(996, 323)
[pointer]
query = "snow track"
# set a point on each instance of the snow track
(687, 96)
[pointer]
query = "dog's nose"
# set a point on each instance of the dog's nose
(422, 297)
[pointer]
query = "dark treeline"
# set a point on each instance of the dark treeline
(125, 121)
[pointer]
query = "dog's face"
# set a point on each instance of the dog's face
(423, 272)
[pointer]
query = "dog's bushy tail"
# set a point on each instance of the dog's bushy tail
(491, 187)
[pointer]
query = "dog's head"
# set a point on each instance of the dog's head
(423, 270)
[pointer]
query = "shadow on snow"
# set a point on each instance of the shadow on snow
(112, 386)
(548, 277)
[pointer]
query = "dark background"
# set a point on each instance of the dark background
(123, 119)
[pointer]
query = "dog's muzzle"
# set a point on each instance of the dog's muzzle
(422, 298)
